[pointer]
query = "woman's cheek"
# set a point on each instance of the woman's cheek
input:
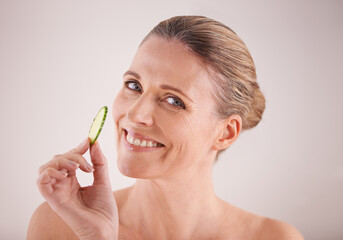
(119, 106)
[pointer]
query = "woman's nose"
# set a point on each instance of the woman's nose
(141, 112)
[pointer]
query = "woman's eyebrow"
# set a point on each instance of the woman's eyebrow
(163, 86)
(129, 72)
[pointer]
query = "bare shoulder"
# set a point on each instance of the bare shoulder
(241, 224)
(276, 229)
(46, 224)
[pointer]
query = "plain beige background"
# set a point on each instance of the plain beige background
(60, 61)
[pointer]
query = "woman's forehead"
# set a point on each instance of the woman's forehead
(170, 62)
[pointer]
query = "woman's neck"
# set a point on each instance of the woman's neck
(177, 207)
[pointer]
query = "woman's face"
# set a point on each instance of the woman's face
(166, 100)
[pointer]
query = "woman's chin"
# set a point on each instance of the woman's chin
(132, 168)
(129, 172)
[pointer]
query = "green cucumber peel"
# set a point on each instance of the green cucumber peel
(97, 124)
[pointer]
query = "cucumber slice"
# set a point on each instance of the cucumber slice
(97, 124)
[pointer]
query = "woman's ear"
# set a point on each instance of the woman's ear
(231, 128)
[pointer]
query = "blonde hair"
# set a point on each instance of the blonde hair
(232, 67)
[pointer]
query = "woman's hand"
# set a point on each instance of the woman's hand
(91, 212)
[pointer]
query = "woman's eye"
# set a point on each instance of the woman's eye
(133, 85)
(175, 102)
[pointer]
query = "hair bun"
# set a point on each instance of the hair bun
(257, 106)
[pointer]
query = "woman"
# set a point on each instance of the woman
(189, 92)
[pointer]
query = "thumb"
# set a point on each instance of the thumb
(99, 164)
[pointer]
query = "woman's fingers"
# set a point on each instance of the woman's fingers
(61, 166)
(48, 178)
(84, 165)
(82, 148)
(70, 161)
(76, 155)
(49, 173)
(61, 162)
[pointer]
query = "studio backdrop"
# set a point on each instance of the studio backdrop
(60, 61)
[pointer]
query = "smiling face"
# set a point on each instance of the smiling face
(165, 102)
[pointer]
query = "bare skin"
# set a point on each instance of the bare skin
(173, 197)
(232, 223)
(226, 222)
(235, 224)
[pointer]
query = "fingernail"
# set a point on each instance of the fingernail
(89, 167)
(63, 172)
(74, 164)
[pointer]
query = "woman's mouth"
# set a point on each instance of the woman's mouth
(136, 142)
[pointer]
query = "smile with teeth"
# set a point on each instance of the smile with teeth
(142, 142)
